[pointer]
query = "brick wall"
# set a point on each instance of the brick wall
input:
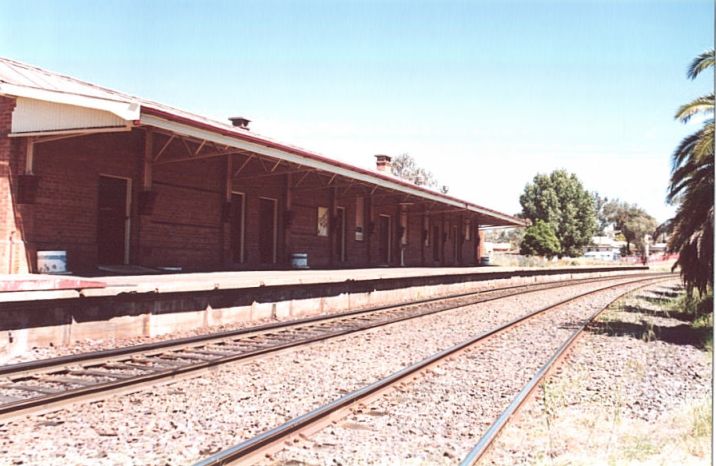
(14, 256)
(65, 208)
(186, 227)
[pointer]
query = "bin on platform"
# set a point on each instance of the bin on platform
(52, 261)
(299, 260)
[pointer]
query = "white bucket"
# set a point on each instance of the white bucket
(52, 261)
(299, 260)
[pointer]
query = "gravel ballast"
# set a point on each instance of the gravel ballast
(438, 418)
(182, 422)
(636, 388)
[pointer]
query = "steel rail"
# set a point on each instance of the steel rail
(496, 427)
(278, 434)
(170, 370)
(103, 355)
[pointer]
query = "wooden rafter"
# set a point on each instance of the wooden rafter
(278, 173)
(300, 180)
(164, 147)
(201, 146)
(243, 165)
(202, 156)
(186, 146)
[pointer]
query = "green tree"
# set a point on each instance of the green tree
(631, 220)
(560, 200)
(540, 240)
(405, 167)
(602, 220)
(692, 189)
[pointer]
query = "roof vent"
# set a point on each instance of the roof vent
(383, 163)
(240, 122)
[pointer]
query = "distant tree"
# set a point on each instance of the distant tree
(405, 167)
(632, 221)
(692, 189)
(602, 221)
(540, 240)
(560, 200)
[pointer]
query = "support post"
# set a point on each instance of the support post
(30, 156)
(148, 160)
(424, 235)
(443, 236)
(332, 227)
(228, 178)
(369, 228)
(288, 219)
(225, 227)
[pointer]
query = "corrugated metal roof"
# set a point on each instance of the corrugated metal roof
(14, 73)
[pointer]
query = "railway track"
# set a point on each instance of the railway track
(303, 426)
(491, 434)
(45, 385)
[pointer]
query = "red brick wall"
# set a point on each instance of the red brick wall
(186, 227)
(65, 208)
(304, 232)
(13, 257)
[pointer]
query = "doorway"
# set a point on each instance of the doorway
(455, 244)
(384, 233)
(267, 230)
(340, 232)
(113, 207)
(237, 227)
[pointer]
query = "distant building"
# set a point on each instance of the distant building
(604, 248)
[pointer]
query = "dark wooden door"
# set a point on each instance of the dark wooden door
(111, 220)
(237, 227)
(267, 230)
(384, 238)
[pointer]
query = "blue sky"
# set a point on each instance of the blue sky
(484, 94)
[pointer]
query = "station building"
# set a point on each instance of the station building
(116, 180)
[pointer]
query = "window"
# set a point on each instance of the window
(360, 217)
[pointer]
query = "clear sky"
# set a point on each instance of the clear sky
(486, 94)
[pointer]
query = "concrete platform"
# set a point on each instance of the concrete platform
(40, 287)
(151, 305)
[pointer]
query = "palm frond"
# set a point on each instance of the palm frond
(701, 63)
(703, 104)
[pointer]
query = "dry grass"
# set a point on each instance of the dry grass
(572, 423)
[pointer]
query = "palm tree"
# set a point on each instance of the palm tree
(692, 189)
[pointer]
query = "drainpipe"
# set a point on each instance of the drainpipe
(9, 262)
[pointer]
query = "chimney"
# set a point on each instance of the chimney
(383, 164)
(240, 122)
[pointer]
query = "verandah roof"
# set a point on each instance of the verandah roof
(63, 95)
